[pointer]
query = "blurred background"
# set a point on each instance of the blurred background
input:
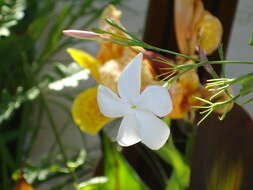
(35, 119)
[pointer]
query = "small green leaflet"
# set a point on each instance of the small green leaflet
(251, 40)
(247, 84)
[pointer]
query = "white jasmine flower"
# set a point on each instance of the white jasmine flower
(140, 111)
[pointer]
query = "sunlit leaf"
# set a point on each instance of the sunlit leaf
(10, 13)
(45, 170)
(79, 160)
(70, 76)
(181, 172)
(173, 183)
(71, 81)
(9, 103)
(93, 183)
(119, 173)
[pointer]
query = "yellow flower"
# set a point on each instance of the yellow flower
(209, 32)
(86, 113)
(196, 26)
(86, 61)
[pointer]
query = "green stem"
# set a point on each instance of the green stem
(238, 79)
(230, 62)
(59, 142)
(35, 132)
(23, 133)
(150, 47)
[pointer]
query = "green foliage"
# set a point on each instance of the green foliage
(180, 176)
(11, 11)
(26, 53)
(10, 103)
(93, 183)
(48, 169)
(119, 173)
(69, 76)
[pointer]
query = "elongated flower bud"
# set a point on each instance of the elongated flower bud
(82, 34)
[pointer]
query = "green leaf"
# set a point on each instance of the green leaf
(93, 183)
(9, 104)
(251, 40)
(173, 183)
(42, 15)
(247, 84)
(55, 32)
(79, 160)
(48, 168)
(72, 76)
(119, 173)
(181, 171)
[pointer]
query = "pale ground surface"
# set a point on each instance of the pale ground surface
(134, 14)
(238, 46)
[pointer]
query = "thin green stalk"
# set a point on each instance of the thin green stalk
(238, 79)
(150, 47)
(23, 127)
(52, 148)
(145, 45)
(230, 62)
(59, 142)
(222, 58)
(35, 131)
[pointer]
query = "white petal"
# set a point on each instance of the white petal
(110, 104)
(128, 133)
(155, 99)
(153, 131)
(129, 82)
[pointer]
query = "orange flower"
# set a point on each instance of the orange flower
(23, 185)
(198, 28)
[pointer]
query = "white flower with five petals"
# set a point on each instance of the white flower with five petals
(140, 111)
